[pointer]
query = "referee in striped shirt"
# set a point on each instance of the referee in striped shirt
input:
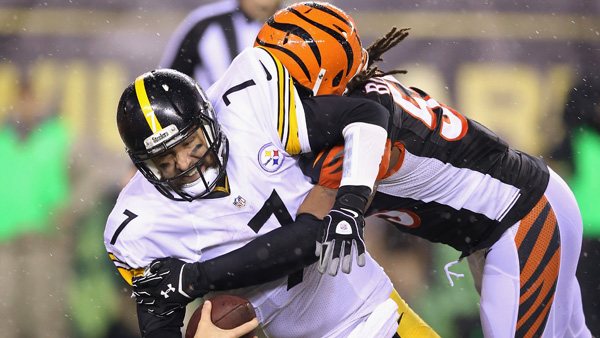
(208, 39)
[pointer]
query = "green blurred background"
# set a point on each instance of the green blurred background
(63, 65)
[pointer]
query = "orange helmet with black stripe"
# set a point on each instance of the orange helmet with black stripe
(318, 44)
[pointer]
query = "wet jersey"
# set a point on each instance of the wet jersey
(455, 182)
(265, 186)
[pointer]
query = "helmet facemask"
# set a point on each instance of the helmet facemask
(209, 177)
(171, 134)
(363, 66)
(157, 114)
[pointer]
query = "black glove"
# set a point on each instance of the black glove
(342, 231)
(168, 284)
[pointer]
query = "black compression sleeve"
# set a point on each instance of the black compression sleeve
(328, 115)
(271, 256)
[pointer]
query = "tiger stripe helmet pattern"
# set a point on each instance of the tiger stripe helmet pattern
(318, 43)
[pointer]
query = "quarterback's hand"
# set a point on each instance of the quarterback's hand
(167, 285)
(342, 234)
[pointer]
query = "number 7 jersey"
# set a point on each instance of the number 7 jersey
(259, 112)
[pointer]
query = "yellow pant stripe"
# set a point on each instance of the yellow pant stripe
(411, 325)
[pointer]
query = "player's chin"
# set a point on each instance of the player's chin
(191, 179)
(188, 182)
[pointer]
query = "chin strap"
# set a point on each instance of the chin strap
(317, 85)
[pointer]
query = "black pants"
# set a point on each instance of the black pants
(588, 274)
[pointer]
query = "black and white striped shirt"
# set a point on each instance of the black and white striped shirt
(208, 39)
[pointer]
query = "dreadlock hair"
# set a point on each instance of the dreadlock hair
(375, 51)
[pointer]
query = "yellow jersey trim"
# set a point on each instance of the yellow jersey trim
(410, 324)
(287, 123)
(126, 272)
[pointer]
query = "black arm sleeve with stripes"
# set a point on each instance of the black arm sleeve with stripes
(328, 115)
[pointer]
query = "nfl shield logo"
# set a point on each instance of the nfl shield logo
(239, 202)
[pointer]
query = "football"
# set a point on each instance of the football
(228, 311)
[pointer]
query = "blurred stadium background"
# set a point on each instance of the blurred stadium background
(507, 64)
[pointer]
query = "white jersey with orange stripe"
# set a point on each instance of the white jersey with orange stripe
(457, 182)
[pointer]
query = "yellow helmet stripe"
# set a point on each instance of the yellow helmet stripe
(140, 91)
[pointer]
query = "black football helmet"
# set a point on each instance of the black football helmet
(158, 111)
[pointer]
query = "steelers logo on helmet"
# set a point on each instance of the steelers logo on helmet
(270, 158)
(318, 43)
(157, 112)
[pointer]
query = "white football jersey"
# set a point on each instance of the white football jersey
(261, 114)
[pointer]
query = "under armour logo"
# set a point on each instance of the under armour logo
(165, 293)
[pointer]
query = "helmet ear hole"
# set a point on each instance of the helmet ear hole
(337, 79)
